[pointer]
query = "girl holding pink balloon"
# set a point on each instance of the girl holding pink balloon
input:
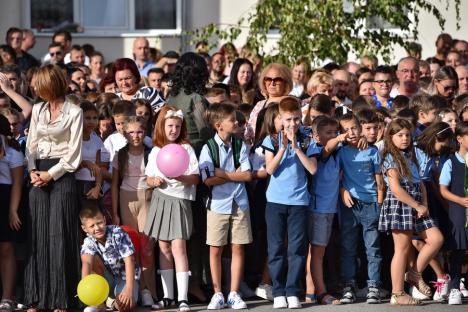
(173, 171)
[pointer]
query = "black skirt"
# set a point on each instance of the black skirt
(52, 268)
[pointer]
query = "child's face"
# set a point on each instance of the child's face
(463, 141)
(135, 134)
(402, 139)
(314, 114)
(14, 125)
(228, 125)
(172, 128)
(95, 227)
(353, 129)
(326, 133)
(90, 121)
(119, 121)
(278, 123)
(370, 131)
(240, 130)
(451, 119)
(291, 120)
(427, 117)
(143, 111)
(105, 126)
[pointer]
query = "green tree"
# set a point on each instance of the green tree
(320, 29)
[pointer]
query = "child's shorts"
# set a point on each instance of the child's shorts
(320, 228)
(117, 284)
(234, 227)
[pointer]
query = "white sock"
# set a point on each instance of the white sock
(182, 285)
(167, 278)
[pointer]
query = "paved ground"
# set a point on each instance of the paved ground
(263, 305)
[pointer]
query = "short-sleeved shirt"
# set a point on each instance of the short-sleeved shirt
(12, 159)
(426, 164)
(134, 178)
(325, 185)
(446, 173)
(359, 169)
(288, 184)
(116, 141)
(223, 195)
(390, 163)
(117, 247)
(172, 187)
(89, 152)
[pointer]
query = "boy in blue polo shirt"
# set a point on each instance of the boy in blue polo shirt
(362, 195)
(287, 201)
(224, 165)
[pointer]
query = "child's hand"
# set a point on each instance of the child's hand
(342, 137)
(15, 222)
(291, 135)
(284, 139)
(94, 192)
(346, 198)
(422, 211)
(125, 299)
(362, 143)
(464, 202)
(220, 173)
(155, 181)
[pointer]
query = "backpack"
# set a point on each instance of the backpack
(213, 149)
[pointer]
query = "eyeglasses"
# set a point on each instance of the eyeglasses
(383, 81)
(55, 53)
(275, 80)
(442, 131)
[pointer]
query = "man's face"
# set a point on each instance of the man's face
(408, 74)
(462, 48)
(141, 49)
(341, 81)
(15, 40)
(14, 79)
(56, 55)
(29, 41)
(217, 63)
(453, 59)
(63, 42)
(462, 73)
(77, 56)
(155, 80)
(383, 84)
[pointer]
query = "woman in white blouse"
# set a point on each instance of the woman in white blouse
(53, 152)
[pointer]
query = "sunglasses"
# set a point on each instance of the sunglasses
(55, 53)
(383, 81)
(275, 80)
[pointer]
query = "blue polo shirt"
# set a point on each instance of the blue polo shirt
(325, 183)
(146, 67)
(224, 195)
(379, 104)
(390, 163)
(359, 169)
(288, 184)
(426, 164)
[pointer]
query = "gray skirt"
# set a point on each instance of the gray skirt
(169, 217)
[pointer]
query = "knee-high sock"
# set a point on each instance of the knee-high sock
(167, 278)
(182, 285)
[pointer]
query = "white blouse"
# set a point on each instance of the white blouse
(61, 138)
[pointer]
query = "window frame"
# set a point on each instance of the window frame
(128, 31)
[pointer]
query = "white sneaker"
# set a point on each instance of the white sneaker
(280, 302)
(455, 297)
(416, 294)
(294, 303)
(463, 289)
(146, 298)
(99, 308)
(217, 302)
(235, 301)
(442, 288)
(264, 291)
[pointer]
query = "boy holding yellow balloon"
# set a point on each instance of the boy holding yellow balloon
(108, 251)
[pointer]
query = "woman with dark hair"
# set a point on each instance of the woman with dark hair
(444, 83)
(127, 77)
(242, 77)
(187, 94)
(53, 152)
(7, 55)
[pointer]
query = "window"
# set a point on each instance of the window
(106, 17)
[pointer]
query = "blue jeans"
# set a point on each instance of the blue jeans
(290, 221)
(367, 215)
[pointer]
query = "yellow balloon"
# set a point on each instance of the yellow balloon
(93, 290)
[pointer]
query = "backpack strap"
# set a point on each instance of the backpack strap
(236, 145)
(213, 148)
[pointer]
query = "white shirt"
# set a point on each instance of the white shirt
(89, 152)
(66, 59)
(173, 187)
(12, 159)
(116, 141)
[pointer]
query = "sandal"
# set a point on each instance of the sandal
(7, 305)
(410, 301)
(183, 305)
(327, 299)
(311, 298)
(415, 279)
(164, 303)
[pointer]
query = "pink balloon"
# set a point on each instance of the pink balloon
(172, 160)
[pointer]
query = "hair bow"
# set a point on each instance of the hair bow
(172, 114)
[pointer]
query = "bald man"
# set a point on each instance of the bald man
(408, 78)
(341, 82)
(462, 73)
(141, 55)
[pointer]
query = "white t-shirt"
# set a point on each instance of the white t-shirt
(89, 152)
(134, 179)
(173, 187)
(12, 159)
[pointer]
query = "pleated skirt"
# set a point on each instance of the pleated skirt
(169, 217)
(53, 263)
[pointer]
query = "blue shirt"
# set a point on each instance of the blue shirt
(390, 163)
(288, 184)
(223, 195)
(426, 164)
(359, 169)
(146, 67)
(325, 183)
(118, 246)
(446, 173)
(379, 104)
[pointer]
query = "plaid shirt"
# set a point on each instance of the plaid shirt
(117, 247)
